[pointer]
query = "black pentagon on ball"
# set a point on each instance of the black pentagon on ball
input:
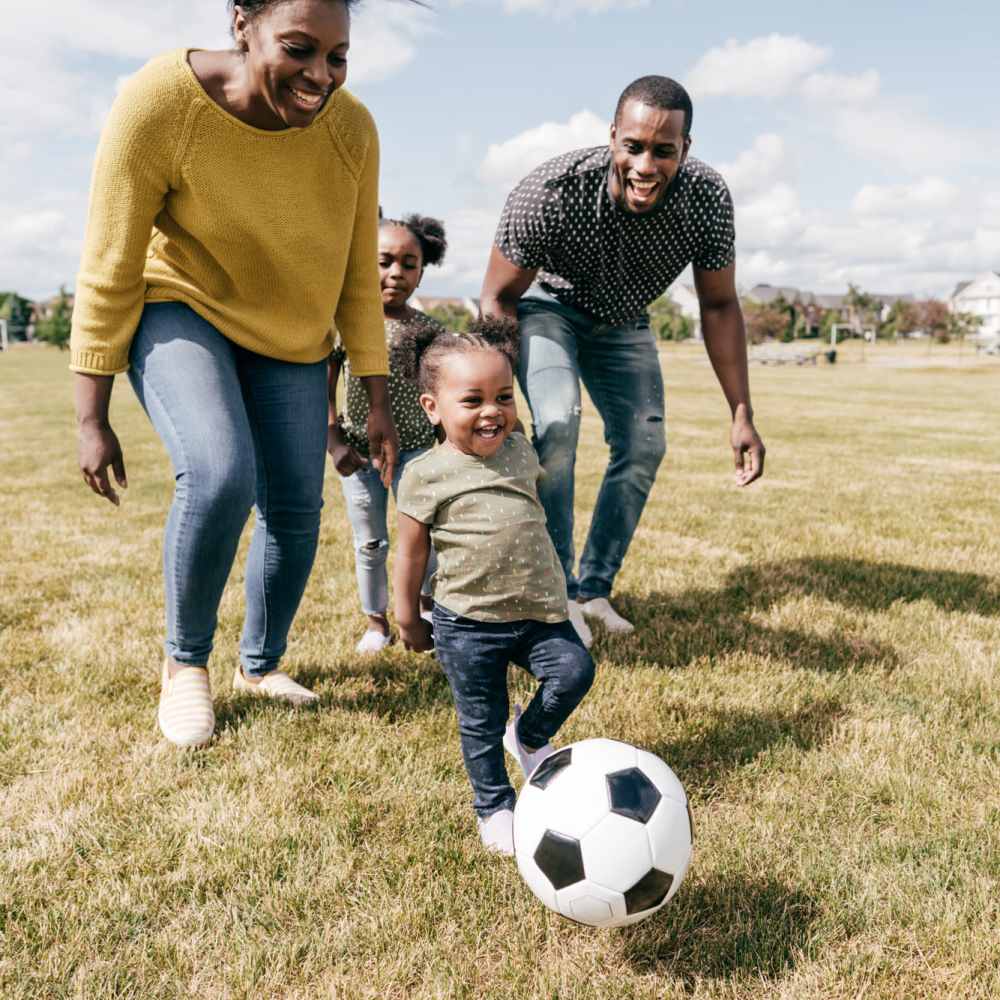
(560, 859)
(551, 766)
(632, 794)
(648, 892)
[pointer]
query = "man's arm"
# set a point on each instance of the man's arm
(726, 343)
(503, 286)
(413, 547)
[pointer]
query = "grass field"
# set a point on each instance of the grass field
(818, 657)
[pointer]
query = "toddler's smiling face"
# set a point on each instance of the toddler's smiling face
(473, 400)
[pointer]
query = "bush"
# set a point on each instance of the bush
(55, 328)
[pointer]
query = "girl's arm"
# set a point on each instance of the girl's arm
(413, 547)
(346, 460)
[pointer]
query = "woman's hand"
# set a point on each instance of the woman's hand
(346, 460)
(99, 449)
(383, 441)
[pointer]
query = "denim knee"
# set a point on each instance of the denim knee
(577, 673)
(557, 433)
(371, 553)
(220, 493)
(642, 452)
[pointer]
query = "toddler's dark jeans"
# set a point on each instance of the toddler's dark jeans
(475, 656)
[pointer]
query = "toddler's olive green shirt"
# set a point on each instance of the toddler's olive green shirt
(496, 562)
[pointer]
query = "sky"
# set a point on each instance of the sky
(860, 140)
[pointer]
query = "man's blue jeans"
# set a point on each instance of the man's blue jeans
(620, 368)
(241, 430)
(367, 502)
(474, 656)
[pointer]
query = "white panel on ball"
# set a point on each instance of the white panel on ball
(669, 835)
(583, 902)
(603, 755)
(577, 799)
(661, 775)
(616, 853)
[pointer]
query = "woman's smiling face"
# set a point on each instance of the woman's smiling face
(296, 56)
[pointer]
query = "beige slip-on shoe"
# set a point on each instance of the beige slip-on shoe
(276, 684)
(185, 716)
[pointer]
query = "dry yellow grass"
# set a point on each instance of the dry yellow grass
(817, 657)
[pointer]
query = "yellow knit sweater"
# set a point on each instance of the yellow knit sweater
(270, 236)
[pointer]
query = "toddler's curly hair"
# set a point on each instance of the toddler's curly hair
(419, 351)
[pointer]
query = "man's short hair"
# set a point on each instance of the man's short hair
(658, 92)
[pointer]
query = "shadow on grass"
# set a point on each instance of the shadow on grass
(730, 927)
(676, 629)
(724, 741)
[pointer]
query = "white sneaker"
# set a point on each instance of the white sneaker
(185, 715)
(373, 641)
(277, 685)
(600, 608)
(528, 760)
(428, 616)
(497, 832)
(577, 621)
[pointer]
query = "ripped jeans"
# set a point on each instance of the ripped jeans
(620, 367)
(367, 509)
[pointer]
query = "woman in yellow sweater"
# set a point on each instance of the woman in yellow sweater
(233, 225)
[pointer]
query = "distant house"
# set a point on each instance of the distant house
(456, 303)
(980, 297)
(686, 299)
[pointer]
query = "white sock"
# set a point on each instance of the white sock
(600, 608)
(577, 621)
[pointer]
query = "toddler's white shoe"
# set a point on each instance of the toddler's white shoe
(600, 608)
(373, 641)
(528, 760)
(497, 832)
(428, 616)
(577, 621)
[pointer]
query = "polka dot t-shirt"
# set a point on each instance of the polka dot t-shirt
(412, 425)
(496, 562)
(597, 258)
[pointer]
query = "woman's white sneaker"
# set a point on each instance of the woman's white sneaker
(185, 716)
(600, 608)
(497, 832)
(277, 685)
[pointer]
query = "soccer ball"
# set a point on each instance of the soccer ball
(603, 833)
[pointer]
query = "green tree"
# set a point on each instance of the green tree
(764, 321)
(903, 318)
(863, 309)
(668, 322)
(54, 328)
(453, 318)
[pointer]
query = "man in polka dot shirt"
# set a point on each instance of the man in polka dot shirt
(585, 243)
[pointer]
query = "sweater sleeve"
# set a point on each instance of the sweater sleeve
(359, 313)
(133, 170)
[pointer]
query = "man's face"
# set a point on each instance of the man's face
(648, 146)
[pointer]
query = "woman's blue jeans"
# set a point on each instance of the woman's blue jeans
(367, 503)
(620, 368)
(242, 431)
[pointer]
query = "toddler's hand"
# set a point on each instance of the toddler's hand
(417, 637)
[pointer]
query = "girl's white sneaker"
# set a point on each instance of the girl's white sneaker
(497, 832)
(528, 759)
(373, 641)
(600, 608)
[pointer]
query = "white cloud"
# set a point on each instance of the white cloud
(769, 66)
(837, 88)
(756, 168)
(507, 162)
(565, 8)
(929, 193)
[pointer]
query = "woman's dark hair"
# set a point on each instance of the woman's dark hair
(429, 233)
(254, 7)
(419, 350)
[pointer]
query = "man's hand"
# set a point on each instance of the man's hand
(417, 636)
(346, 460)
(748, 449)
(99, 448)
